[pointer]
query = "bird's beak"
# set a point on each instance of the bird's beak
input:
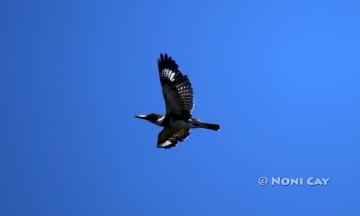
(140, 116)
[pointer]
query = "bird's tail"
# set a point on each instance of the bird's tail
(214, 127)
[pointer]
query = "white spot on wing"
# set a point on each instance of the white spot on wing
(172, 76)
(168, 74)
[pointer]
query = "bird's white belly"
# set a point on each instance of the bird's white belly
(181, 124)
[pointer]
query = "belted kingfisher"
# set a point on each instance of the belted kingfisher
(178, 95)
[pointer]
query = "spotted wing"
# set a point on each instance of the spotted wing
(176, 88)
(169, 137)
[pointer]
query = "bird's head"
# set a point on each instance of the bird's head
(150, 117)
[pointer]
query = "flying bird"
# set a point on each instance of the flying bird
(179, 102)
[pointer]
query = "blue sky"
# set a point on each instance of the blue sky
(281, 77)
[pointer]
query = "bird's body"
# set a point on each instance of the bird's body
(168, 121)
(178, 95)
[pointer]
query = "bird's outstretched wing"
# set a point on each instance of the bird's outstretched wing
(176, 88)
(169, 137)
